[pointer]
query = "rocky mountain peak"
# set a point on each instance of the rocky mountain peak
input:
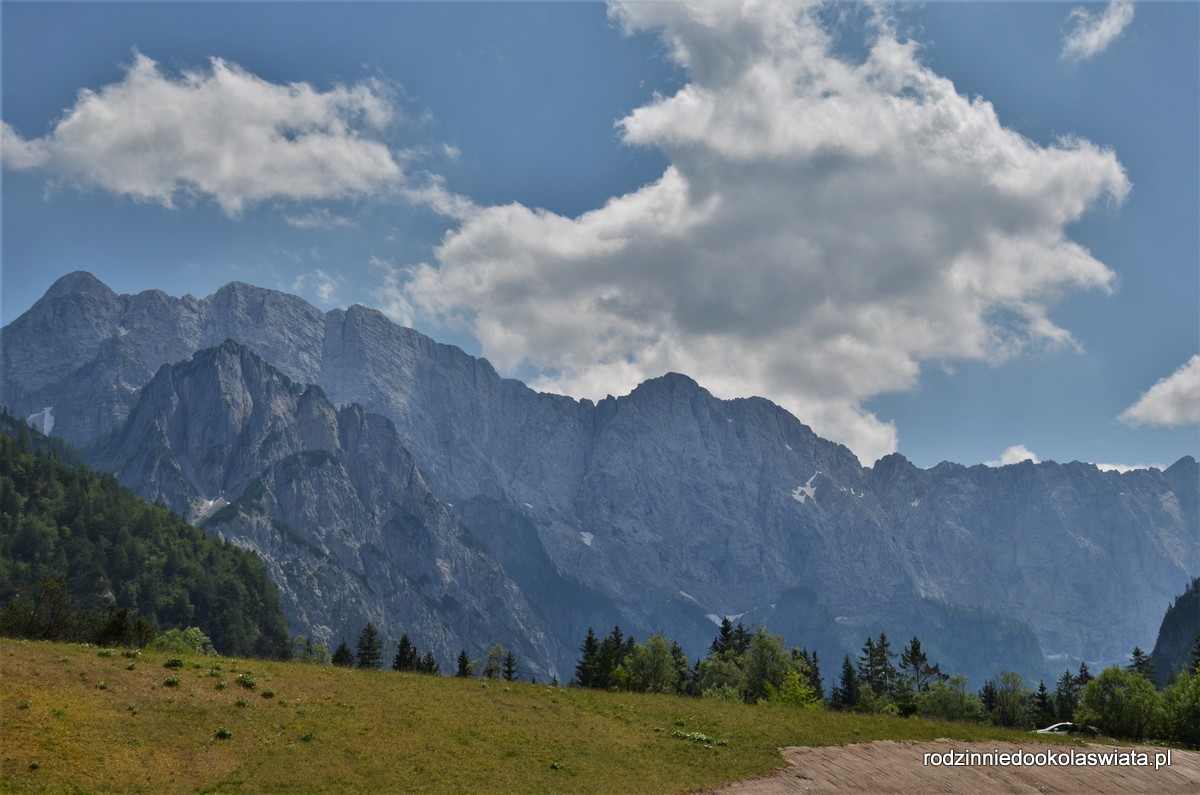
(78, 282)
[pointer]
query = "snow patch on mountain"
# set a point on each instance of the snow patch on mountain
(802, 493)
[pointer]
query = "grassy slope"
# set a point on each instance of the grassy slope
(68, 722)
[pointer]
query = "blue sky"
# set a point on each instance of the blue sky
(968, 232)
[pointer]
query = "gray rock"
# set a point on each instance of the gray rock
(666, 507)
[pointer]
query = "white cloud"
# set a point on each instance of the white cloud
(1013, 455)
(320, 218)
(321, 284)
(220, 133)
(1174, 400)
(1127, 467)
(823, 228)
(1094, 33)
(390, 295)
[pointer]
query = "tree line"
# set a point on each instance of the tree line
(754, 666)
(499, 663)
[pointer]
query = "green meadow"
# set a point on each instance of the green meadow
(77, 718)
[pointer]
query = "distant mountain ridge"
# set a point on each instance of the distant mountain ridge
(666, 507)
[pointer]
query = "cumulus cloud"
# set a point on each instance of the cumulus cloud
(220, 133)
(824, 227)
(1093, 33)
(390, 295)
(1173, 401)
(319, 283)
(1013, 455)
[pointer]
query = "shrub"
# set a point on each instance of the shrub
(173, 662)
(247, 680)
(172, 681)
(268, 693)
(1122, 703)
(104, 653)
(184, 641)
(223, 733)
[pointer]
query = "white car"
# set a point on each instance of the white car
(1067, 728)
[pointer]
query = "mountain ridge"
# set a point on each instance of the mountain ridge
(667, 506)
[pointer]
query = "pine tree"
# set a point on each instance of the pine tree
(812, 668)
(585, 669)
(723, 642)
(875, 666)
(845, 692)
(739, 642)
(1043, 706)
(429, 664)
(1140, 663)
(987, 694)
(1196, 655)
(370, 648)
(406, 655)
(1066, 697)
(510, 666)
(1083, 677)
(464, 665)
(915, 665)
(343, 656)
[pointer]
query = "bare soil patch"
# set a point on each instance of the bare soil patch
(886, 767)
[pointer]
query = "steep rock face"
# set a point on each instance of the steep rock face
(1084, 557)
(331, 500)
(666, 507)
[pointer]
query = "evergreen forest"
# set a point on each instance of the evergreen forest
(84, 559)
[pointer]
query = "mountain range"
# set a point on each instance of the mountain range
(384, 476)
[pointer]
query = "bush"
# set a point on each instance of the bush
(172, 681)
(1181, 710)
(184, 641)
(247, 681)
(1122, 703)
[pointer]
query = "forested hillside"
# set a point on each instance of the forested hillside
(60, 521)
(1179, 636)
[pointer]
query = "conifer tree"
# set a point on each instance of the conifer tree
(464, 665)
(370, 647)
(406, 655)
(342, 656)
(1043, 706)
(723, 642)
(987, 694)
(812, 667)
(739, 642)
(585, 669)
(429, 664)
(915, 665)
(845, 692)
(875, 667)
(510, 666)
(1066, 697)
(1083, 677)
(1140, 663)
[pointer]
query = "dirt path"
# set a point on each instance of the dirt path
(890, 767)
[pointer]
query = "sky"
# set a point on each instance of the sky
(959, 231)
